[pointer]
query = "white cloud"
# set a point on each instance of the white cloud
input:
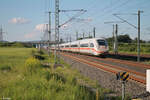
(40, 27)
(30, 35)
(19, 20)
(36, 32)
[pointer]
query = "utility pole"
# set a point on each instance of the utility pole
(67, 39)
(49, 27)
(1, 34)
(113, 38)
(89, 35)
(56, 30)
(76, 35)
(94, 32)
(83, 35)
(49, 33)
(139, 30)
(136, 27)
(116, 40)
(70, 39)
(115, 35)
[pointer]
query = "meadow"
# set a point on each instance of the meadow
(131, 48)
(23, 76)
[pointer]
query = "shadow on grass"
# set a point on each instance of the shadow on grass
(128, 57)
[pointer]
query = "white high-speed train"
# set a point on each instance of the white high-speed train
(94, 46)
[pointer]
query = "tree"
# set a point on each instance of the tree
(121, 38)
(124, 38)
(141, 41)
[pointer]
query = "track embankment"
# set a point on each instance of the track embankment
(105, 73)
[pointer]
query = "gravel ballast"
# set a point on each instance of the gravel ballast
(106, 79)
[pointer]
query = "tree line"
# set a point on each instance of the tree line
(126, 39)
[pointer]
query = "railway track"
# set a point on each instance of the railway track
(125, 62)
(136, 70)
(126, 54)
(133, 57)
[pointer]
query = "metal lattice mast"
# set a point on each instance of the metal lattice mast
(1, 34)
(56, 29)
(49, 27)
(49, 33)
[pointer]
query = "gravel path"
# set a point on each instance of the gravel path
(105, 79)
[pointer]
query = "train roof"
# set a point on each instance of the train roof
(74, 42)
(92, 39)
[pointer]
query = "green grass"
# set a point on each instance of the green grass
(23, 78)
(14, 56)
(131, 48)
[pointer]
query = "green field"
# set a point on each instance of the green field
(131, 48)
(23, 77)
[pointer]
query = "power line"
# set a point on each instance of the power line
(106, 7)
(105, 11)
(138, 28)
(110, 10)
(72, 18)
(125, 20)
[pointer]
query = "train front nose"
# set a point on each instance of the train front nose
(103, 48)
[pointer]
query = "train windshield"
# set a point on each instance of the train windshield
(102, 42)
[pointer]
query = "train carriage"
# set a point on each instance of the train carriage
(94, 46)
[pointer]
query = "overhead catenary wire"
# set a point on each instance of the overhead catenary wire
(109, 10)
(105, 8)
(72, 18)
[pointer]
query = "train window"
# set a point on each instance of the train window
(67, 46)
(84, 45)
(74, 45)
(101, 42)
(91, 45)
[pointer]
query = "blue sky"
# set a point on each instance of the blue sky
(23, 20)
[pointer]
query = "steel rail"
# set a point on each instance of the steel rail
(129, 63)
(97, 65)
(120, 68)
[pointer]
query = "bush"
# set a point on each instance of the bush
(32, 64)
(17, 44)
(40, 52)
(37, 54)
(5, 68)
(39, 57)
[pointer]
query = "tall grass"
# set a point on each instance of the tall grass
(17, 82)
(22, 77)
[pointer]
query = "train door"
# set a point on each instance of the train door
(79, 47)
(91, 46)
